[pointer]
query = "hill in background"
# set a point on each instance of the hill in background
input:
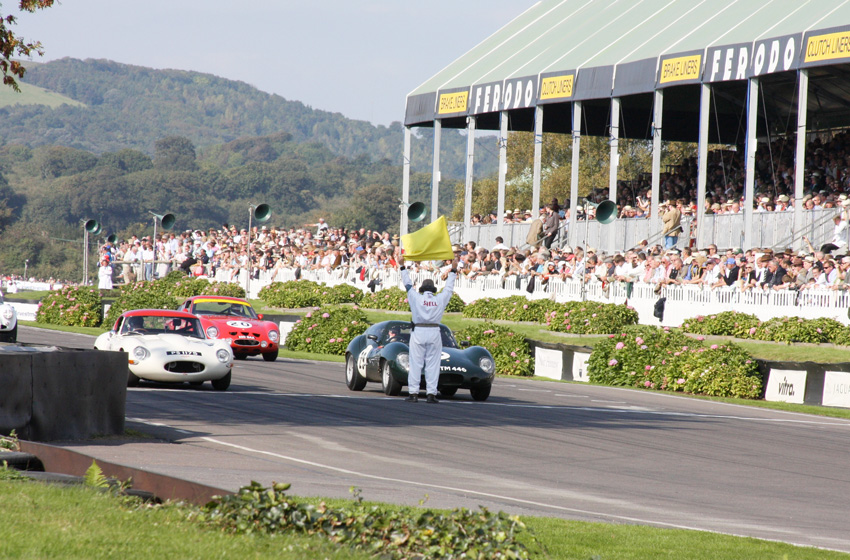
(111, 106)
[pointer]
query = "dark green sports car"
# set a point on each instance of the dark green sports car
(381, 354)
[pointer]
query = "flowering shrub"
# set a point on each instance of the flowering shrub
(513, 308)
(781, 329)
(589, 317)
(341, 293)
(292, 295)
(141, 295)
(510, 351)
(727, 323)
(654, 358)
(391, 299)
(71, 306)
(327, 330)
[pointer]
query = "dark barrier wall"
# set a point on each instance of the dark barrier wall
(62, 395)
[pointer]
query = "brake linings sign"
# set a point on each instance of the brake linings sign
(826, 46)
(453, 102)
(556, 87)
(683, 68)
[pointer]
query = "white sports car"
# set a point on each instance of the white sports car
(169, 346)
(8, 322)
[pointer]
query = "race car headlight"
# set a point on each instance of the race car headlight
(8, 312)
(212, 332)
(274, 336)
(486, 363)
(223, 355)
(140, 353)
(403, 361)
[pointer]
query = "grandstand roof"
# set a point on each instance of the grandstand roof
(559, 51)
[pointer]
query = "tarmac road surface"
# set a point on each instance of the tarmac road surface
(534, 447)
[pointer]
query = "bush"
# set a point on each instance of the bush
(510, 351)
(327, 330)
(653, 358)
(513, 308)
(462, 533)
(795, 329)
(456, 304)
(391, 299)
(141, 295)
(292, 295)
(341, 293)
(589, 317)
(727, 323)
(71, 306)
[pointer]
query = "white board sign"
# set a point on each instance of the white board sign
(786, 385)
(548, 363)
(836, 388)
(580, 366)
(285, 328)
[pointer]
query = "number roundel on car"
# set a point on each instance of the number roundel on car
(239, 324)
(444, 356)
(361, 360)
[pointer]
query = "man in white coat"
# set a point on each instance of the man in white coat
(426, 341)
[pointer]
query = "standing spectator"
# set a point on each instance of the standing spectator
(672, 220)
(426, 340)
(550, 226)
(104, 276)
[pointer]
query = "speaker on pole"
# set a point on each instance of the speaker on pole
(606, 211)
(92, 226)
(166, 220)
(416, 212)
(262, 213)
(112, 238)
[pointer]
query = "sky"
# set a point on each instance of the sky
(357, 57)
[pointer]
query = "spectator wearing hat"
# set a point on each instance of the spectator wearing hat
(426, 308)
(671, 219)
(550, 226)
(729, 274)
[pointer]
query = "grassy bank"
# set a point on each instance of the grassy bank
(46, 521)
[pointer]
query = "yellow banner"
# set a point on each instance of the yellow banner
(828, 47)
(431, 243)
(557, 87)
(680, 69)
(453, 102)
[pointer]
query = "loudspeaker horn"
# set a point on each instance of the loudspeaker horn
(262, 213)
(166, 220)
(111, 238)
(92, 226)
(606, 211)
(416, 212)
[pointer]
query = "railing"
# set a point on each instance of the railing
(683, 302)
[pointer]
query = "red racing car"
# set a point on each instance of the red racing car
(234, 319)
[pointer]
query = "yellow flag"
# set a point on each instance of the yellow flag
(431, 243)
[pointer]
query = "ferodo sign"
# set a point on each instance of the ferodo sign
(775, 55)
(486, 98)
(727, 63)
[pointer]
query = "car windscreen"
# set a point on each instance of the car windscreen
(219, 307)
(155, 324)
(448, 338)
(397, 333)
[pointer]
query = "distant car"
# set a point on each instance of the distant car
(170, 347)
(233, 319)
(8, 322)
(381, 354)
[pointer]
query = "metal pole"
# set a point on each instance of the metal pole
(435, 171)
(470, 167)
(702, 168)
(248, 281)
(800, 158)
(405, 181)
(538, 161)
(503, 170)
(658, 113)
(576, 129)
(85, 256)
(750, 173)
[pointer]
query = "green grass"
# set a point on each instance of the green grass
(49, 521)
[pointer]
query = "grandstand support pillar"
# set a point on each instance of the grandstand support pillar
(405, 181)
(750, 177)
(503, 169)
(657, 113)
(538, 158)
(702, 168)
(614, 143)
(800, 157)
(574, 174)
(470, 167)
(435, 171)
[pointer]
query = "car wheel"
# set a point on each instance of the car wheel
(448, 391)
(480, 393)
(270, 356)
(222, 384)
(132, 380)
(353, 379)
(391, 386)
(240, 356)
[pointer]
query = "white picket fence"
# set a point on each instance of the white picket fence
(682, 303)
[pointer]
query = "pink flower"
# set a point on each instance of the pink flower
(643, 347)
(345, 329)
(752, 330)
(610, 336)
(513, 354)
(525, 306)
(647, 383)
(613, 362)
(620, 346)
(309, 314)
(648, 368)
(325, 315)
(714, 347)
(308, 340)
(680, 381)
(700, 338)
(638, 340)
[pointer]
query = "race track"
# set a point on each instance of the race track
(535, 448)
